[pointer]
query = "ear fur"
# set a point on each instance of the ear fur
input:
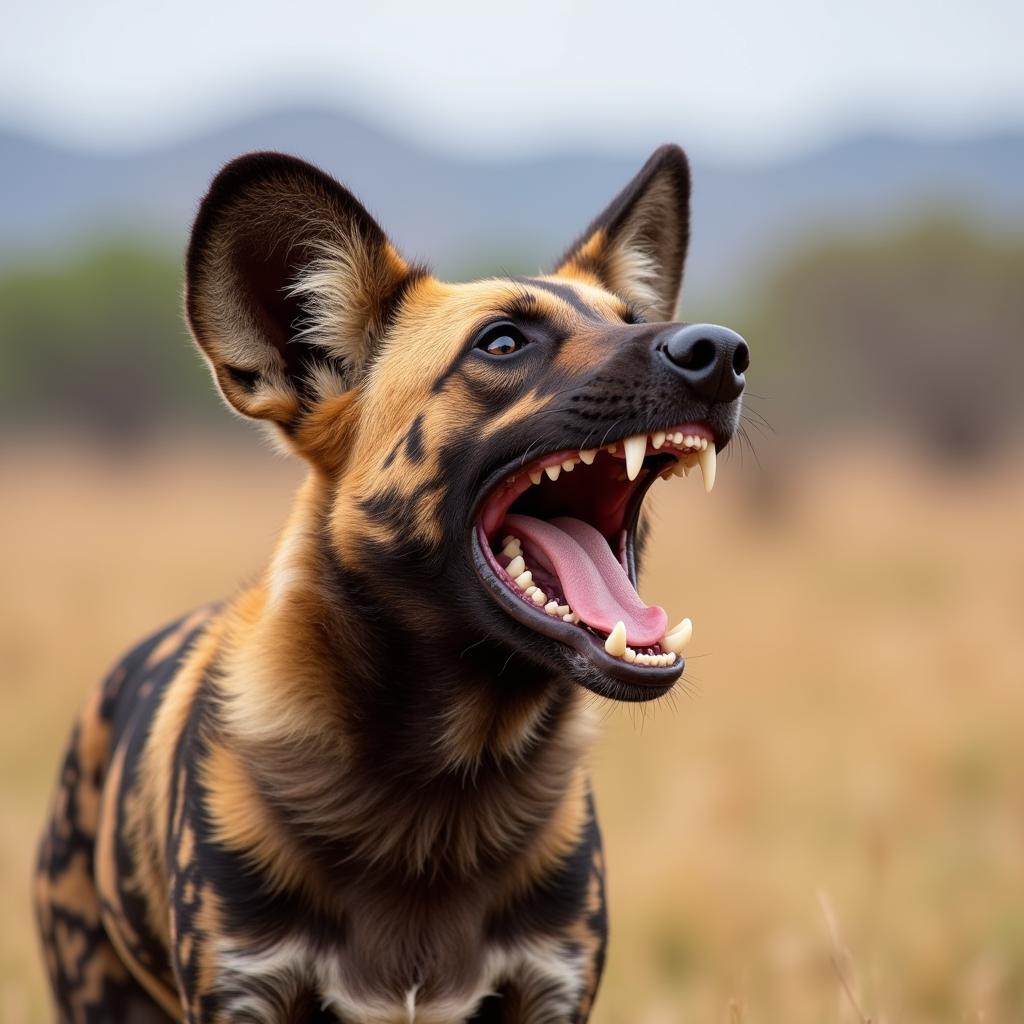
(289, 282)
(637, 246)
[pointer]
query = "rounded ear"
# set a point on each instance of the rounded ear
(289, 283)
(637, 247)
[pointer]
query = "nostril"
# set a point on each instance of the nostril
(741, 358)
(708, 358)
(700, 355)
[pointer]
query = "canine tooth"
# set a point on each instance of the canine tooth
(551, 607)
(512, 549)
(708, 460)
(630, 655)
(538, 597)
(636, 449)
(516, 567)
(658, 438)
(535, 476)
(676, 639)
(615, 645)
(569, 465)
(587, 455)
(523, 581)
(553, 472)
(684, 623)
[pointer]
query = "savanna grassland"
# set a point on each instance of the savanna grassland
(824, 824)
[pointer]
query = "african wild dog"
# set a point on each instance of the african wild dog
(357, 792)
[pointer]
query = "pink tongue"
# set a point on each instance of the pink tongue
(595, 584)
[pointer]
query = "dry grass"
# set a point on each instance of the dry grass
(850, 724)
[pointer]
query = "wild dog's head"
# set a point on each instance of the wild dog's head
(486, 447)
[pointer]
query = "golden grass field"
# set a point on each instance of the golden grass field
(848, 747)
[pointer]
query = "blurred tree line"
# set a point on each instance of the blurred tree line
(98, 344)
(916, 332)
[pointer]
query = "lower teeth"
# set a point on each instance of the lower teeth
(512, 549)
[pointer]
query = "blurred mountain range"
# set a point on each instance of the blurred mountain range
(461, 214)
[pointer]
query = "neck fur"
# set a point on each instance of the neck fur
(385, 750)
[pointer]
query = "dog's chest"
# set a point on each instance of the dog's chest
(545, 974)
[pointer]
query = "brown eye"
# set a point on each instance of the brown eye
(501, 340)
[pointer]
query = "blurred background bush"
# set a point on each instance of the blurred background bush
(827, 821)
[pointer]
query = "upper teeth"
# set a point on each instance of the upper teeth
(696, 451)
(700, 452)
(636, 449)
(708, 460)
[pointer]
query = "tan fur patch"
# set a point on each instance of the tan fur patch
(241, 820)
(72, 890)
(109, 882)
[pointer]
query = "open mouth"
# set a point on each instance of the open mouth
(555, 545)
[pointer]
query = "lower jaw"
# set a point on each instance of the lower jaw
(593, 667)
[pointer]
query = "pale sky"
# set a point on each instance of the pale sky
(734, 78)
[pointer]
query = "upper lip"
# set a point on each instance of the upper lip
(659, 447)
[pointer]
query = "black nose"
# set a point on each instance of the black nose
(711, 359)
